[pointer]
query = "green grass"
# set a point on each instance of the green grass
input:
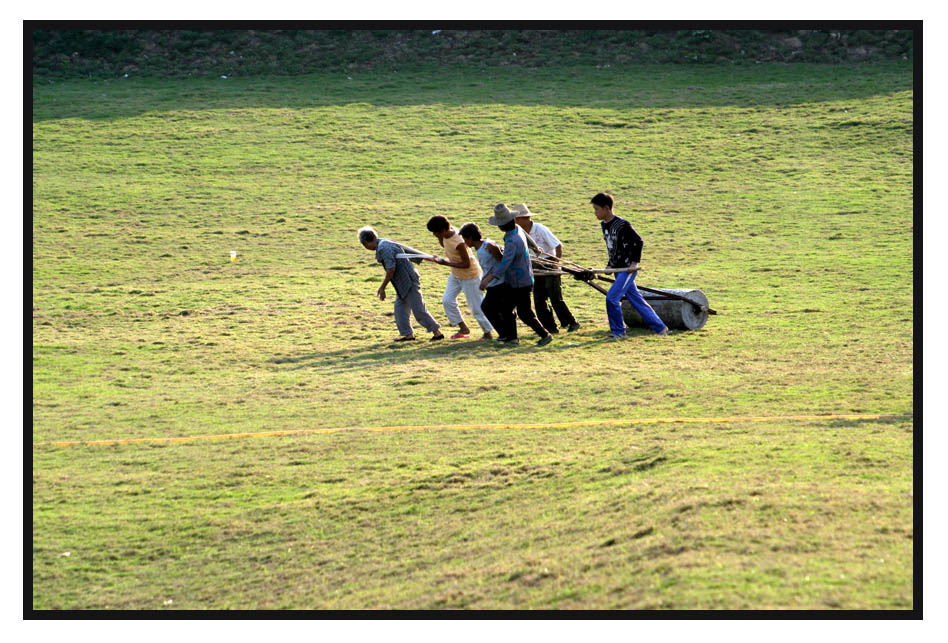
(747, 516)
(782, 192)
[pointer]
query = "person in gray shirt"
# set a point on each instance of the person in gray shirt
(407, 283)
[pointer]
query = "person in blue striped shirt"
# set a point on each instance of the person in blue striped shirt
(517, 272)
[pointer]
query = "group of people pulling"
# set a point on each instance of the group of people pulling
(506, 276)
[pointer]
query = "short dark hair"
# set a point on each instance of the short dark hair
(603, 200)
(367, 235)
(470, 231)
(438, 223)
(507, 227)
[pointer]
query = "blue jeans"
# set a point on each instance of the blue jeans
(624, 286)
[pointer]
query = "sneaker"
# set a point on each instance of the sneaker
(664, 332)
(404, 338)
(460, 335)
(435, 338)
(511, 342)
(572, 327)
(554, 331)
(616, 337)
(546, 340)
(501, 340)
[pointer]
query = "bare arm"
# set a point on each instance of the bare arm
(388, 277)
(495, 251)
(463, 263)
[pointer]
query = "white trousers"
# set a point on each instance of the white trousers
(473, 294)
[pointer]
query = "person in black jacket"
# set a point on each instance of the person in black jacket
(625, 251)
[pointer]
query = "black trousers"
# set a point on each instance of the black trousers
(492, 305)
(549, 288)
(503, 305)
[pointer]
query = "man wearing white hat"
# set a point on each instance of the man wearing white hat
(547, 289)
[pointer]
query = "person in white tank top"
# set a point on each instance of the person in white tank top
(489, 254)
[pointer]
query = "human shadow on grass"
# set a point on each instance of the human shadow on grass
(380, 353)
(637, 87)
(385, 353)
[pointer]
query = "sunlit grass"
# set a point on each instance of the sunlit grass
(782, 192)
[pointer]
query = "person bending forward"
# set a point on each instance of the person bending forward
(465, 276)
(405, 279)
(489, 254)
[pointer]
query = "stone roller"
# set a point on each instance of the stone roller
(676, 313)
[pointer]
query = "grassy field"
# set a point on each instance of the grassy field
(782, 192)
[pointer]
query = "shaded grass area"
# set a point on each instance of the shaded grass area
(621, 87)
(777, 516)
(180, 53)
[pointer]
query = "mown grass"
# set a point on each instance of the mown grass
(784, 193)
(743, 516)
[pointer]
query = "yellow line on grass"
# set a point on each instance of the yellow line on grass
(546, 425)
